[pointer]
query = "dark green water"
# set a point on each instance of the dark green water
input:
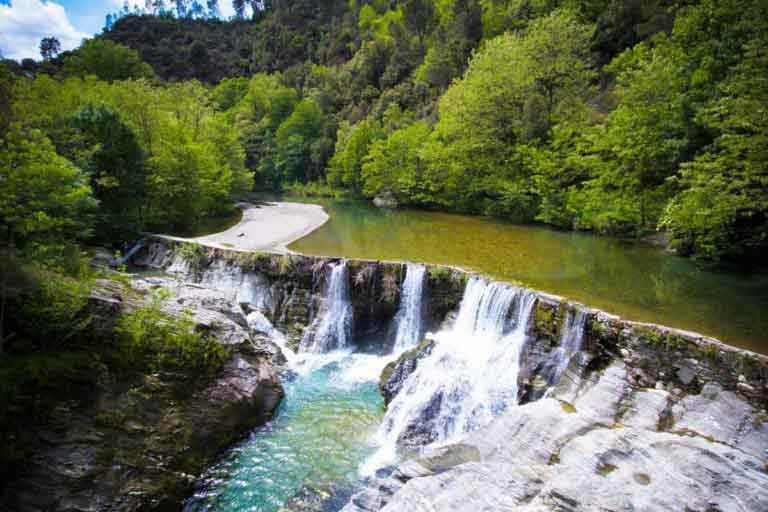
(631, 279)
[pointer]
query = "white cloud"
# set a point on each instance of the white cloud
(227, 11)
(25, 22)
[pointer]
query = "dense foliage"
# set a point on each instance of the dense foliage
(615, 116)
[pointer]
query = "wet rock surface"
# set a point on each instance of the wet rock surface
(645, 418)
(597, 445)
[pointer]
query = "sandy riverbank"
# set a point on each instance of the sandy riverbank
(266, 227)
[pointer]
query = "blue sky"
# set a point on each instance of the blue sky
(24, 22)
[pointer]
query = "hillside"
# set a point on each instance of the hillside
(211, 50)
(599, 115)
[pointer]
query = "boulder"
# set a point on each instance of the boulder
(386, 199)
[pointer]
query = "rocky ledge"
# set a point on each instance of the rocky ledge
(139, 441)
(599, 445)
(647, 418)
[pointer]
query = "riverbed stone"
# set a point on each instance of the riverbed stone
(645, 409)
(386, 199)
(724, 417)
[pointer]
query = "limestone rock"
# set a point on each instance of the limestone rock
(592, 446)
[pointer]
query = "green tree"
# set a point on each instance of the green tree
(229, 92)
(49, 48)
(294, 142)
(352, 145)
(722, 211)
(107, 60)
(118, 172)
(44, 199)
(419, 18)
(394, 164)
(516, 88)
(455, 38)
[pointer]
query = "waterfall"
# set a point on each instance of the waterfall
(408, 318)
(126, 258)
(260, 323)
(223, 277)
(469, 378)
(570, 344)
(254, 290)
(179, 265)
(332, 326)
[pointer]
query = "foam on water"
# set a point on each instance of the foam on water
(409, 314)
(331, 328)
(469, 378)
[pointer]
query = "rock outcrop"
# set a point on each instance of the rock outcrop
(646, 418)
(386, 199)
(601, 444)
(138, 441)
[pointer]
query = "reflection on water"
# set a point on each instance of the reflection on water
(630, 279)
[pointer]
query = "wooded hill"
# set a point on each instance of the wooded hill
(608, 115)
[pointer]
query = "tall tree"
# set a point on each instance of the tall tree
(419, 16)
(213, 8)
(106, 60)
(182, 8)
(43, 197)
(49, 47)
(118, 174)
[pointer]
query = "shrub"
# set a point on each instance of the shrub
(169, 343)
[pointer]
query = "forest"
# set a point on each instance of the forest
(616, 117)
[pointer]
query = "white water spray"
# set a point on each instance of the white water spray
(254, 290)
(260, 323)
(469, 378)
(223, 277)
(333, 324)
(409, 315)
(179, 265)
(571, 340)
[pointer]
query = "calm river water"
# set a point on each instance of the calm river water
(631, 279)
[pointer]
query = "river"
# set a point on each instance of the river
(627, 278)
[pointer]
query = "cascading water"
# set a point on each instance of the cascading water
(408, 318)
(570, 345)
(254, 290)
(179, 265)
(260, 323)
(469, 378)
(332, 326)
(223, 277)
(322, 430)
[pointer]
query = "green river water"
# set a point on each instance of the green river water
(627, 278)
(320, 434)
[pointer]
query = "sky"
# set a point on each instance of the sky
(23, 23)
